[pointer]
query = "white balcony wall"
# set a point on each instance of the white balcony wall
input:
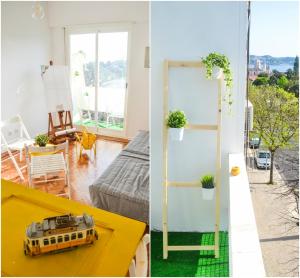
(244, 245)
(25, 45)
(189, 31)
(68, 14)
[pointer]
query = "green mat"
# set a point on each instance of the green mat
(91, 123)
(189, 263)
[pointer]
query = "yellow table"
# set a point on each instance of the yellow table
(111, 255)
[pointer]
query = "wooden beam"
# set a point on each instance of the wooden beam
(190, 247)
(165, 160)
(184, 183)
(201, 127)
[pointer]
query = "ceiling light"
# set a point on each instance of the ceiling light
(38, 11)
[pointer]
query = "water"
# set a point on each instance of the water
(281, 67)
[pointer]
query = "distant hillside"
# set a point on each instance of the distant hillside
(270, 60)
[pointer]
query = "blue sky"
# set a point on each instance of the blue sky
(274, 28)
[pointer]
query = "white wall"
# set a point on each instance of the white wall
(189, 31)
(68, 14)
(25, 45)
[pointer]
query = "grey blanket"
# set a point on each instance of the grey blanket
(124, 187)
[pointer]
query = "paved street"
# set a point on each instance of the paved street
(278, 237)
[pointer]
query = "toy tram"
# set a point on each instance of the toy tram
(58, 233)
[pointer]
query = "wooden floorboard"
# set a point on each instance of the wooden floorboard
(82, 173)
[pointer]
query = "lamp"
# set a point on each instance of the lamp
(37, 11)
(147, 59)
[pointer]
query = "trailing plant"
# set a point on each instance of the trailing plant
(218, 60)
(176, 119)
(41, 140)
(208, 181)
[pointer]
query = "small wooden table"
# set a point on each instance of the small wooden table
(111, 255)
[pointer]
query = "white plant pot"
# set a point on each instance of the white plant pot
(208, 193)
(176, 133)
(216, 73)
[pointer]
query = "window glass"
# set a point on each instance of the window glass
(46, 241)
(80, 235)
(37, 242)
(67, 238)
(59, 239)
(73, 236)
(87, 232)
(53, 240)
(33, 243)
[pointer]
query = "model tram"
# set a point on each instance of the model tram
(58, 233)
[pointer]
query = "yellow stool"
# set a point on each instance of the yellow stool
(87, 141)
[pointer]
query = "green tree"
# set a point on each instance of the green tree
(263, 74)
(282, 82)
(289, 74)
(275, 118)
(296, 67)
(273, 80)
(259, 81)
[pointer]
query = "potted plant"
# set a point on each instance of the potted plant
(208, 186)
(41, 140)
(176, 122)
(215, 64)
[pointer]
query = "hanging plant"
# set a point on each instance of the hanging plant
(216, 60)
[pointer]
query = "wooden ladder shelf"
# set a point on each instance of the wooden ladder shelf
(166, 183)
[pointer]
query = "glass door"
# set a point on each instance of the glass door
(99, 70)
(83, 78)
(112, 54)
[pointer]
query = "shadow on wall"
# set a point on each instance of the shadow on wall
(31, 104)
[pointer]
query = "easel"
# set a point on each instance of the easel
(188, 184)
(64, 130)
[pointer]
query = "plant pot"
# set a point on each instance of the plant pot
(208, 193)
(176, 133)
(216, 73)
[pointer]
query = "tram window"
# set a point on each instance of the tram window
(46, 241)
(87, 232)
(91, 231)
(80, 235)
(73, 236)
(37, 242)
(59, 239)
(67, 238)
(33, 243)
(52, 240)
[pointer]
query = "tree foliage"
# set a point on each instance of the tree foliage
(275, 117)
(296, 67)
(259, 81)
(282, 82)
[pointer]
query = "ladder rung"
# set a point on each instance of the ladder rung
(185, 64)
(184, 183)
(190, 247)
(201, 127)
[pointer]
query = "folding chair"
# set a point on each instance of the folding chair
(14, 138)
(51, 160)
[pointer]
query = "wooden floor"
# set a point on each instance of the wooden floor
(82, 173)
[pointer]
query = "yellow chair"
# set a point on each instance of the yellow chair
(87, 141)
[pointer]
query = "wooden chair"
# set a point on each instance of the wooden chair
(86, 141)
(14, 138)
(43, 161)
